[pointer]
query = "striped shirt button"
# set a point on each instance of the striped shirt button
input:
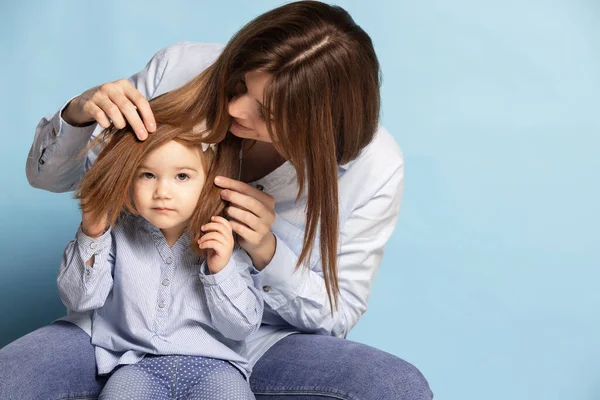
(169, 260)
(166, 282)
(93, 245)
(267, 288)
(162, 304)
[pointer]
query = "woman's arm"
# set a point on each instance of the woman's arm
(53, 163)
(85, 277)
(299, 295)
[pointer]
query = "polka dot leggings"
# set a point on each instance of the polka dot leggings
(175, 378)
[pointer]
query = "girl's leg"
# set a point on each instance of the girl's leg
(149, 379)
(311, 367)
(51, 363)
(209, 379)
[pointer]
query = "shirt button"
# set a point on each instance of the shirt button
(93, 245)
(87, 271)
(260, 187)
(267, 288)
(169, 260)
(162, 304)
(166, 282)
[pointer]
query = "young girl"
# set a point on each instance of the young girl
(172, 300)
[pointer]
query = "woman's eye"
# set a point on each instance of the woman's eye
(147, 175)
(182, 177)
(261, 113)
(240, 87)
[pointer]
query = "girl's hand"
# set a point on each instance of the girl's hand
(91, 227)
(253, 213)
(117, 101)
(218, 242)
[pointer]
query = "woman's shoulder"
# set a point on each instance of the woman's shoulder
(179, 63)
(380, 158)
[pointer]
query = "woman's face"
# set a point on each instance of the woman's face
(246, 109)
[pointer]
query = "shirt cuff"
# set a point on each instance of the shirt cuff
(280, 280)
(72, 140)
(210, 279)
(89, 246)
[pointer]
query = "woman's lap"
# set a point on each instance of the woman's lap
(53, 362)
(325, 367)
(57, 362)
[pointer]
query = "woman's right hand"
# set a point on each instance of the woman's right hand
(118, 102)
(93, 227)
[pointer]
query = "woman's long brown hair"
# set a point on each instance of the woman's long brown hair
(324, 99)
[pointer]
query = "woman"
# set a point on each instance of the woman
(300, 86)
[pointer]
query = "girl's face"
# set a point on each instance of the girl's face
(167, 185)
(247, 109)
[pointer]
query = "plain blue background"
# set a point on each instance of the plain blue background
(490, 281)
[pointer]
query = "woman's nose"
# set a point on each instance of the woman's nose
(239, 107)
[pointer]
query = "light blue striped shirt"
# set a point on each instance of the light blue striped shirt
(149, 298)
(370, 192)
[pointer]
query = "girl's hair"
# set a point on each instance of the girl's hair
(107, 185)
(323, 97)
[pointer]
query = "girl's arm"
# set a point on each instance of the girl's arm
(85, 276)
(235, 305)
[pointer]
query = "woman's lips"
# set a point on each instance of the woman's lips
(240, 126)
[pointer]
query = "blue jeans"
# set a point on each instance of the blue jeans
(57, 362)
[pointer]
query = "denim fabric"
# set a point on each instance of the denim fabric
(57, 362)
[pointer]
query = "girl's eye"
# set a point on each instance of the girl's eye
(147, 175)
(182, 177)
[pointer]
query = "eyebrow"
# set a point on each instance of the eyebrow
(177, 168)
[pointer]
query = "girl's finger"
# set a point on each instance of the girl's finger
(211, 244)
(216, 236)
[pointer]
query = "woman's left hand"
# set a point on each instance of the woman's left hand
(252, 213)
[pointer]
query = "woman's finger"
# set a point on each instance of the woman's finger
(112, 111)
(245, 202)
(244, 188)
(130, 113)
(245, 217)
(97, 113)
(142, 104)
(246, 233)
